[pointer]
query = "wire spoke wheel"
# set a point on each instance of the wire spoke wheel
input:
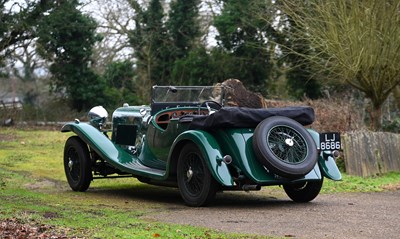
(77, 164)
(194, 177)
(73, 164)
(195, 182)
(284, 147)
(287, 144)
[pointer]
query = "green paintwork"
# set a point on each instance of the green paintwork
(329, 167)
(160, 140)
(139, 116)
(120, 158)
(238, 144)
(115, 155)
(211, 151)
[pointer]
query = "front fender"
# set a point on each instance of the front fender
(91, 136)
(110, 152)
(211, 152)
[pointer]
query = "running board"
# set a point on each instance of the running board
(135, 165)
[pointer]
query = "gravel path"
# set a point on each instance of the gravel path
(267, 212)
(345, 215)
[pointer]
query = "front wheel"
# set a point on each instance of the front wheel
(195, 182)
(77, 164)
(305, 191)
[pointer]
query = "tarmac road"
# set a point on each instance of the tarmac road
(344, 215)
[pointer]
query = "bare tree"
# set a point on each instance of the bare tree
(354, 41)
(116, 20)
(30, 70)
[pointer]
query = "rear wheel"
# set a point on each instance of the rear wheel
(195, 182)
(303, 192)
(77, 164)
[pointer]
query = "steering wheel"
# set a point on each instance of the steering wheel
(211, 105)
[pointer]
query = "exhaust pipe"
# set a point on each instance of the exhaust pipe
(251, 187)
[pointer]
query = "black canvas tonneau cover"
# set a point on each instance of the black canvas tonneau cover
(240, 117)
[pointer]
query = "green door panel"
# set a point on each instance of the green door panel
(113, 154)
(211, 151)
(160, 140)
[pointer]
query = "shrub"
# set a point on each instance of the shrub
(330, 114)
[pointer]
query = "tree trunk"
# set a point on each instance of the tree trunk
(376, 116)
(396, 95)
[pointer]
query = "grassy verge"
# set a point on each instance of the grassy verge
(78, 215)
(33, 190)
(385, 182)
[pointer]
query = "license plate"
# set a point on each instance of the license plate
(329, 141)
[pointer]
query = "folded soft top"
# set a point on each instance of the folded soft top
(240, 117)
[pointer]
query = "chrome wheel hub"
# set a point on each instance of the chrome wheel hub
(70, 164)
(189, 174)
(289, 142)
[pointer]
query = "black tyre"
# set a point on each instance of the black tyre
(195, 182)
(303, 192)
(284, 147)
(77, 164)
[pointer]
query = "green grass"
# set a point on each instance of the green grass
(84, 215)
(33, 189)
(388, 181)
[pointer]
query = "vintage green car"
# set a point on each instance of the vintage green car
(188, 139)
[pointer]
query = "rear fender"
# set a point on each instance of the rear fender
(328, 166)
(210, 150)
(326, 161)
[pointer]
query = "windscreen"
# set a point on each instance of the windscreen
(187, 94)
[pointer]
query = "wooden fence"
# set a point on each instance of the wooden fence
(371, 153)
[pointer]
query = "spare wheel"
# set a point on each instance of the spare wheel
(284, 147)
